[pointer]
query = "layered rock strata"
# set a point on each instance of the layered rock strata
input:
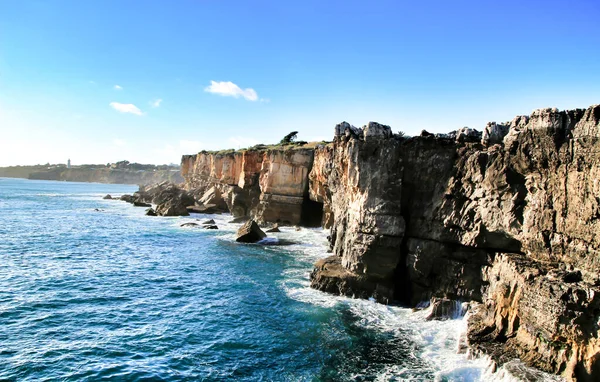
(269, 185)
(509, 220)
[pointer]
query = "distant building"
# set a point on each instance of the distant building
(68, 163)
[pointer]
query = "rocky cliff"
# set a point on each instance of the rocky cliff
(268, 185)
(507, 219)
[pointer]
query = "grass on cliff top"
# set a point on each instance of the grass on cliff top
(300, 145)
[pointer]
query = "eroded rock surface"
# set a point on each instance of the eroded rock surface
(509, 218)
(267, 185)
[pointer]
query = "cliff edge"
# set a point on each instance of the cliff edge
(507, 220)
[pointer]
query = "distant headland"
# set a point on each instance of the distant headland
(122, 172)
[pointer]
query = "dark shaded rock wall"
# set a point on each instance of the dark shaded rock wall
(452, 216)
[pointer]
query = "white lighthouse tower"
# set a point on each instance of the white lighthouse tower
(68, 163)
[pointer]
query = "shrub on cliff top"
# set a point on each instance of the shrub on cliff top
(289, 138)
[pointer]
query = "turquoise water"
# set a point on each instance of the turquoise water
(92, 289)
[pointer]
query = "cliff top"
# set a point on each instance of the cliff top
(301, 145)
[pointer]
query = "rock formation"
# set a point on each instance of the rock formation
(265, 184)
(170, 199)
(507, 220)
(250, 232)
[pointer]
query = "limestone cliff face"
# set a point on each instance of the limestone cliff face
(509, 219)
(268, 185)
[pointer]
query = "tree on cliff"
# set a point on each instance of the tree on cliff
(291, 137)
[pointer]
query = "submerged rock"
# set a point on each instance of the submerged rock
(211, 226)
(275, 228)
(107, 197)
(211, 221)
(250, 232)
(150, 212)
(189, 225)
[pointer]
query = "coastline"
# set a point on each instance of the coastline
(492, 218)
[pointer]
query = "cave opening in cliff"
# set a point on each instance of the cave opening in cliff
(312, 213)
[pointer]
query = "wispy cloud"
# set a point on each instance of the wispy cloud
(117, 87)
(156, 102)
(119, 142)
(126, 108)
(92, 82)
(229, 89)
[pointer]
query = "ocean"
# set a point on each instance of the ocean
(93, 289)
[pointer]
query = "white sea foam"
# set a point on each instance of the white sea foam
(437, 341)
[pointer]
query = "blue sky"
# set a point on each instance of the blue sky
(230, 74)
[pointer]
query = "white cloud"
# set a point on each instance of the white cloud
(156, 103)
(230, 89)
(242, 142)
(117, 87)
(92, 82)
(119, 142)
(126, 108)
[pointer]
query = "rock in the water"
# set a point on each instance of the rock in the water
(444, 308)
(189, 225)
(150, 212)
(163, 192)
(211, 226)
(107, 197)
(172, 207)
(141, 204)
(250, 232)
(127, 198)
(211, 221)
(275, 228)
(206, 209)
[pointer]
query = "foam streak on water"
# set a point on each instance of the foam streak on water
(115, 295)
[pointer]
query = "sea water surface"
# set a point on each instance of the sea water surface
(93, 289)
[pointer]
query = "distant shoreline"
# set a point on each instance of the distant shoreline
(96, 174)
